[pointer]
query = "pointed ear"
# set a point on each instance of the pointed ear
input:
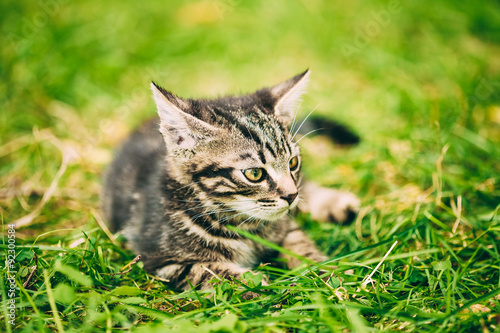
(287, 96)
(180, 129)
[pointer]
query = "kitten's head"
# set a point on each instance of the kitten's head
(236, 153)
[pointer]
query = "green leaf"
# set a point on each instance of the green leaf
(442, 265)
(23, 271)
(225, 324)
(257, 279)
(132, 300)
(24, 255)
(64, 294)
(358, 323)
(126, 291)
(73, 274)
(145, 311)
(225, 286)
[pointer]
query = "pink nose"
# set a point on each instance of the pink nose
(290, 198)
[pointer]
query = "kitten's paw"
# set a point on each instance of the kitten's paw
(331, 205)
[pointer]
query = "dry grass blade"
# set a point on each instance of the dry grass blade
(104, 227)
(15, 145)
(67, 156)
(127, 267)
(33, 269)
(457, 209)
(368, 279)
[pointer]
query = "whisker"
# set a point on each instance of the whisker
(196, 207)
(251, 216)
(243, 222)
(303, 121)
(195, 200)
(295, 116)
(310, 132)
(213, 211)
(191, 184)
(233, 216)
(228, 218)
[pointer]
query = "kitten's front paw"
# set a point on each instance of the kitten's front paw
(331, 205)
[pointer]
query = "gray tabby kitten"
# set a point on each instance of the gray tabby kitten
(179, 180)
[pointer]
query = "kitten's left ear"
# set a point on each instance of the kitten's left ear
(180, 129)
(287, 96)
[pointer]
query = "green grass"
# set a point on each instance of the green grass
(420, 82)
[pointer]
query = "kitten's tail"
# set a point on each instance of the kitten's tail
(335, 131)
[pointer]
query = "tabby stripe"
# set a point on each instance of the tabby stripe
(236, 122)
(205, 276)
(218, 117)
(227, 193)
(272, 184)
(273, 142)
(212, 171)
(268, 147)
(181, 274)
(285, 144)
(209, 190)
(246, 156)
(210, 225)
(262, 157)
(223, 183)
(283, 137)
(246, 129)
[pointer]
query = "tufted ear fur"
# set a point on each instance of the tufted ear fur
(287, 96)
(180, 129)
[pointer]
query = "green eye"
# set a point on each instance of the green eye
(294, 162)
(254, 175)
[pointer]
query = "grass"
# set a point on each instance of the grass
(419, 81)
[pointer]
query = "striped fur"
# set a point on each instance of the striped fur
(180, 179)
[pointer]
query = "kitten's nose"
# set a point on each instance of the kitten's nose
(290, 198)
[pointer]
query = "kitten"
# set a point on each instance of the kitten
(180, 179)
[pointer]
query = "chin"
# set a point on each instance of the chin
(272, 216)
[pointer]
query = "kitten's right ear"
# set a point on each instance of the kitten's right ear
(180, 129)
(284, 98)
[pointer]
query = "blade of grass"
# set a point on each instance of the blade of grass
(40, 319)
(52, 302)
(4, 307)
(269, 244)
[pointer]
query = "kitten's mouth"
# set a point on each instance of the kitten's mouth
(254, 212)
(256, 216)
(268, 214)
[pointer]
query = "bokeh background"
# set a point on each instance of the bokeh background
(419, 81)
(405, 75)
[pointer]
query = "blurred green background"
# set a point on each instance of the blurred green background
(405, 75)
(419, 81)
(410, 77)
